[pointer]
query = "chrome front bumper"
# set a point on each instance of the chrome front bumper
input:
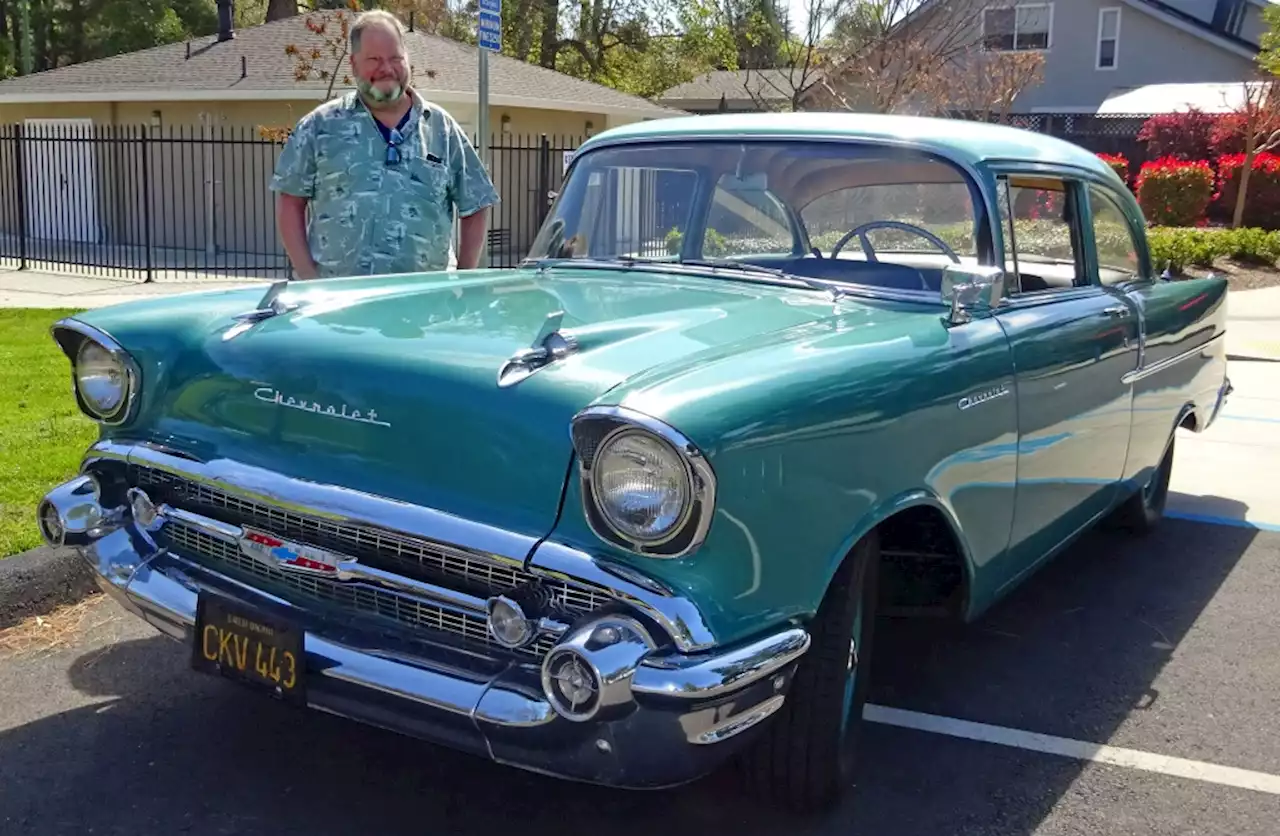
(665, 717)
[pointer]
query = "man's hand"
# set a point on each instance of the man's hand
(472, 230)
(291, 220)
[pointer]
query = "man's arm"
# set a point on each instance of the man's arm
(472, 193)
(294, 184)
(472, 230)
(291, 220)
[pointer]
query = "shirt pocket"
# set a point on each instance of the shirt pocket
(427, 181)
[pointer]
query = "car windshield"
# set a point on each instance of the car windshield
(843, 212)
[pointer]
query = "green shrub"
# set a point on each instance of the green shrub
(1252, 245)
(1175, 192)
(1176, 248)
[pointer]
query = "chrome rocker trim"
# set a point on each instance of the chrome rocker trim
(679, 617)
(660, 718)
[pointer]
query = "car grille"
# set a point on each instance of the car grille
(390, 551)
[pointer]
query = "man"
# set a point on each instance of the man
(381, 170)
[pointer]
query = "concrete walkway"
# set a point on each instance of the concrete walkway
(38, 289)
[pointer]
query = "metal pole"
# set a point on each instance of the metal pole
(482, 128)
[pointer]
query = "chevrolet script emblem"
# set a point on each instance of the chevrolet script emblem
(282, 554)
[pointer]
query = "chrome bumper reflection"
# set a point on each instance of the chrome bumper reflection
(707, 697)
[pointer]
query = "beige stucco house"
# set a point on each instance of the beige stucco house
(200, 103)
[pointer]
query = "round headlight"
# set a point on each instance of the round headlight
(101, 378)
(641, 485)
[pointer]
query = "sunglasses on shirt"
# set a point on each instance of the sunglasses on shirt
(393, 147)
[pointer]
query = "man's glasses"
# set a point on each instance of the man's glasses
(393, 149)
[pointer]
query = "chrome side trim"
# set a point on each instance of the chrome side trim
(1142, 373)
(132, 372)
(702, 479)
(214, 528)
(678, 616)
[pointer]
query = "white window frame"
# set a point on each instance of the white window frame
(1016, 7)
(1115, 54)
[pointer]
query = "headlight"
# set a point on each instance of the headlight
(646, 487)
(101, 378)
(642, 485)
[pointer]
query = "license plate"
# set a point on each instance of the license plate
(249, 647)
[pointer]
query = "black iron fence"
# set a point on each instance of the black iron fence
(190, 202)
(185, 202)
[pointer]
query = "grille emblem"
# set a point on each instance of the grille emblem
(283, 554)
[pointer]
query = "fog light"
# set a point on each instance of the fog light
(508, 624)
(143, 509)
(51, 527)
(571, 685)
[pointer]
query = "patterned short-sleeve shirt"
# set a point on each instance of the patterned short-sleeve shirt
(370, 213)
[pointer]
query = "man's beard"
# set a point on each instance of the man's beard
(378, 97)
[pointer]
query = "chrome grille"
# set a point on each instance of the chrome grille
(357, 597)
(409, 556)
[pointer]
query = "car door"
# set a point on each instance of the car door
(1073, 341)
(1180, 325)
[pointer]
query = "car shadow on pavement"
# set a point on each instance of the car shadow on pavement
(1076, 651)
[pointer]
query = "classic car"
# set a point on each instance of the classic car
(628, 513)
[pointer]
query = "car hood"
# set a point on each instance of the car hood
(390, 385)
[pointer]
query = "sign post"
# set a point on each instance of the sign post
(489, 39)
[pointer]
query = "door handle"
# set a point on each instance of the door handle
(1117, 312)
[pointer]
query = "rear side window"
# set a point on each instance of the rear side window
(1118, 251)
(1041, 231)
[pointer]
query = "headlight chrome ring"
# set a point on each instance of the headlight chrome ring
(104, 377)
(603, 431)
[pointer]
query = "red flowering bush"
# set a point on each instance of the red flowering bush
(1183, 136)
(1119, 164)
(1175, 192)
(1262, 202)
(1227, 136)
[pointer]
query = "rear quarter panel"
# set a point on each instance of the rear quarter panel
(1182, 367)
(815, 435)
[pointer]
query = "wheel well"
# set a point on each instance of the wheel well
(922, 571)
(1189, 421)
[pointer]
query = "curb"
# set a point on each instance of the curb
(38, 581)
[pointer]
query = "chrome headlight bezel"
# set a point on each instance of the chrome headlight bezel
(593, 429)
(72, 337)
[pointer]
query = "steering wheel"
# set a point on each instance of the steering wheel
(862, 230)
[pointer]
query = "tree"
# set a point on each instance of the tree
(923, 57)
(802, 61)
(1258, 118)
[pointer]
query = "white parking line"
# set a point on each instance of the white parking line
(1077, 749)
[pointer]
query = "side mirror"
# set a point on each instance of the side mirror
(970, 288)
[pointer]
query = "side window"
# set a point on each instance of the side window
(745, 222)
(1042, 233)
(1113, 235)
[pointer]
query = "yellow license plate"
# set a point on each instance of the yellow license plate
(250, 647)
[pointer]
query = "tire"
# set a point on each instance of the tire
(805, 760)
(1142, 512)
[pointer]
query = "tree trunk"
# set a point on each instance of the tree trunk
(1250, 143)
(550, 47)
(524, 30)
(281, 9)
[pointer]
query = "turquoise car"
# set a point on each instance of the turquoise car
(627, 513)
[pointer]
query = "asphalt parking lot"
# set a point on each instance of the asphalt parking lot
(1153, 664)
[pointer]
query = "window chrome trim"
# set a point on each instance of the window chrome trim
(702, 480)
(678, 616)
(133, 374)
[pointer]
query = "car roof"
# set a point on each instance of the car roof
(961, 140)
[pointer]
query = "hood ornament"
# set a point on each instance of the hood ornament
(269, 306)
(549, 346)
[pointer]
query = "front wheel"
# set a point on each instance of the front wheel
(806, 758)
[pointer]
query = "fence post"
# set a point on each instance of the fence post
(146, 199)
(544, 178)
(20, 177)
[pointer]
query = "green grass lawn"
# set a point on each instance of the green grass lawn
(43, 434)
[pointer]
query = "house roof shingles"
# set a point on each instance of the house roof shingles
(216, 68)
